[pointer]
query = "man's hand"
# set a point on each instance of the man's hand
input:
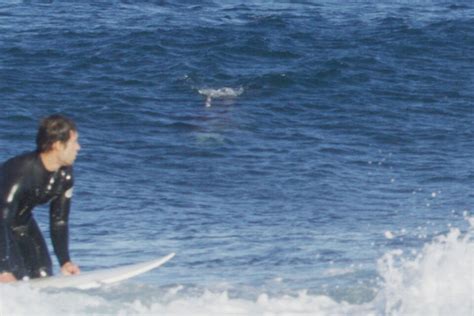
(70, 268)
(7, 277)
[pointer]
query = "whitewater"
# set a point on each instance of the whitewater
(437, 280)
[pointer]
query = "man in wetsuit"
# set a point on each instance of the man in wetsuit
(26, 181)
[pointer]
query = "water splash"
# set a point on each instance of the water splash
(438, 281)
(221, 93)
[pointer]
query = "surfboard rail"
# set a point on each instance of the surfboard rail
(97, 278)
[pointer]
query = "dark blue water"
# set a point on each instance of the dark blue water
(275, 146)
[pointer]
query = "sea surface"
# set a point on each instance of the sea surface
(300, 157)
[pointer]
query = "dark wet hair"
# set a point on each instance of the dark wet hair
(52, 129)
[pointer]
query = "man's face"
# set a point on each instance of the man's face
(67, 152)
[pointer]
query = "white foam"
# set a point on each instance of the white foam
(436, 280)
(22, 300)
(338, 271)
(389, 235)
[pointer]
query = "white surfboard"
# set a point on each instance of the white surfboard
(93, 279)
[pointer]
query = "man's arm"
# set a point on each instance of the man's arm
(8, 205)
(59, 228)
(5, 222)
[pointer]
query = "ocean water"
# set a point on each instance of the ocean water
(300, 157)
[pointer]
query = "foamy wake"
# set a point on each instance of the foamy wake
(437, 281)
(221, 93)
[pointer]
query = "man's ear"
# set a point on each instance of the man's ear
(57, 145)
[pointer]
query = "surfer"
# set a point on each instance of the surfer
(30, 179)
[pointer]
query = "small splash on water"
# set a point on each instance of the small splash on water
(338, 271)
(389, 235)
(220, 93)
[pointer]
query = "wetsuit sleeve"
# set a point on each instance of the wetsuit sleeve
(9, 197)
(59, 227)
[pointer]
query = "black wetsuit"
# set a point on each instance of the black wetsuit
(24, 184)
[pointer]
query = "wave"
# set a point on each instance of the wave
(436, 281)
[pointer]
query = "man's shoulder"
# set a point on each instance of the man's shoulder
(66, 173)
(23, 160)
(19, 164)
(15, 170)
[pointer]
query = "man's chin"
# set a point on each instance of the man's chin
(68, 163)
